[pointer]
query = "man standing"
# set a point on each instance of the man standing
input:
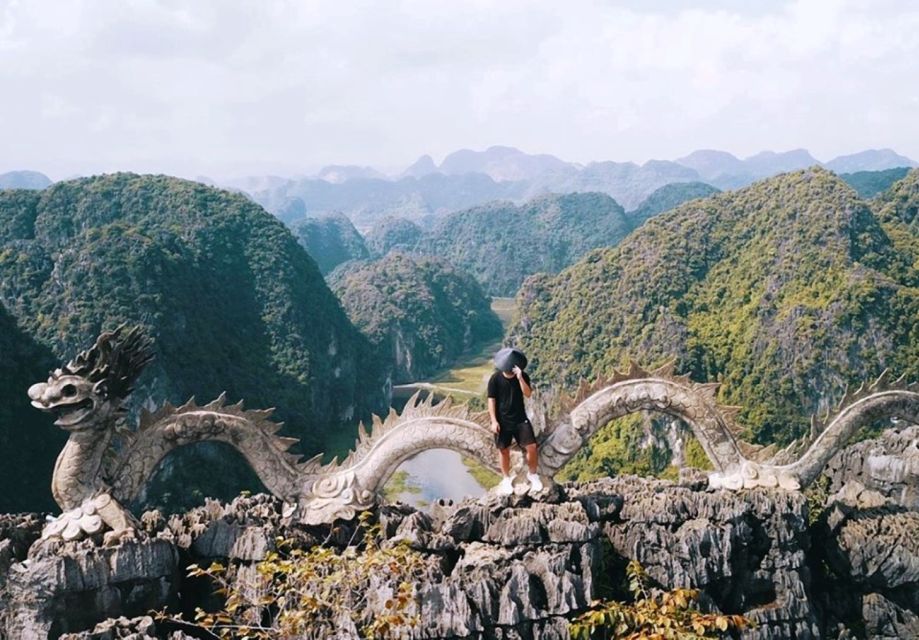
(507, 388)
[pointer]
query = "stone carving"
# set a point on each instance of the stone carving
(93, 478)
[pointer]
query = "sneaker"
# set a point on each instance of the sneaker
(506, 487)
(535, 482)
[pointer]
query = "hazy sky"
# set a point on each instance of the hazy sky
(226, 88)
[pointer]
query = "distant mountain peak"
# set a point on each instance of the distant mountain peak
(24, 180)
(421, 167)
(870, 160)
(503, 163)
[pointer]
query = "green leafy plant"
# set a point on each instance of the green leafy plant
(310, 593)
(665, 615)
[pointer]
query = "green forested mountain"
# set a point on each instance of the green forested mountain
(786, 290)
(393, 234)
(870, 183)
(501, 243)
(231, 299)
(898, 210)
(28, 440)
(670, 196)
(331, 240)
(422, 312)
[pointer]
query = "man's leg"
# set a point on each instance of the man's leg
(532, 457)
(527, 438)
(506, 486)
(505, 457)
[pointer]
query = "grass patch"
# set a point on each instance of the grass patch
(399, 484)
(484, 476)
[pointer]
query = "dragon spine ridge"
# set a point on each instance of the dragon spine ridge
(89, 391)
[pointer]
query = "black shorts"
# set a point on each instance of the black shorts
(522, 433)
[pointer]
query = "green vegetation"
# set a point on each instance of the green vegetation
(653, 614)
(296, 593)
(231, 300)
(670, 196)
(400, 483)
(483, 475)
(870, 183)
(331, 240)
(501, 243)
(27, 437)
(422, 312)
(393, 234)
(786, 291)
(465, 381)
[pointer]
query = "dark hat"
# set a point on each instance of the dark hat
(506, 359)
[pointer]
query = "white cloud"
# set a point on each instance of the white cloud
(219, 87)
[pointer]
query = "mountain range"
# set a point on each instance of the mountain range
(230, 298)
(467, 178)
(786, 291)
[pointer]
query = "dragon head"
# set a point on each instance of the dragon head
(91, 387)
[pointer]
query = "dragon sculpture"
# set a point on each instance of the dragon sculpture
(104, 465)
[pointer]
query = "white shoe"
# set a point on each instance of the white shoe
(535, 482)
(506, 487)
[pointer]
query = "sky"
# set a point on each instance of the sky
(225, 88)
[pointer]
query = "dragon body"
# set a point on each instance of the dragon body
(94, 478)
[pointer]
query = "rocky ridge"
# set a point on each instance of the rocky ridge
(841, 565)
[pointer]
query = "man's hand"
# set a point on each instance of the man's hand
(496, 426)
(524, 385)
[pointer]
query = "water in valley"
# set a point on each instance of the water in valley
(441, 473)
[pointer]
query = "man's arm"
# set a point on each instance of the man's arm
(524, 382)
(493, 404)
(493, 412)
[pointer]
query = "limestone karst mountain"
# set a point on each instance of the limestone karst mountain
(670, 196)
(501, 243)
(468, 178)
(392, 234)
(786, 291)
(870, 160)
(24, 180)
(422, 312)
(28, 439)
(504, 164)
(232, 301)
(330, 240)
(871, 183)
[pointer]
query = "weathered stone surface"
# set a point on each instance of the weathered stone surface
(888, 464)
(74, 586)
(141, 628)
(512, 567)
(746, 552)
(869, 542)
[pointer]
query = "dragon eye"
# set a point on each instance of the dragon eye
(69, 390)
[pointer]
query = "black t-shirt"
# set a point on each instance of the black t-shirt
(508, 399)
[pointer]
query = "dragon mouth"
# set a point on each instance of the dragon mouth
(72, 414)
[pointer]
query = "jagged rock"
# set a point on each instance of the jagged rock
(887, 621)
(74, 586)
(514, 567)
(888, 464)
(746, 552)
(142, 628)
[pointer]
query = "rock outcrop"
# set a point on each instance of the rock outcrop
(515, 567)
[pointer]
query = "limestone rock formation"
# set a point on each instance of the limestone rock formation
(515, 567)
